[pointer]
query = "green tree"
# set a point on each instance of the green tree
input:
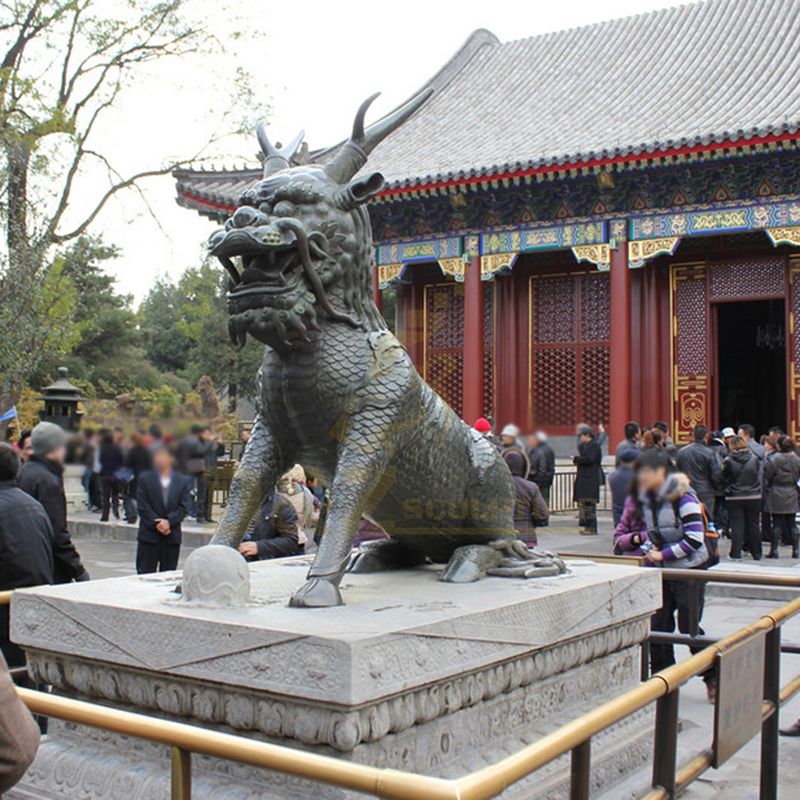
(184, 329)
(64, 65)
(105, 347)
(204, 320)
(166, 345)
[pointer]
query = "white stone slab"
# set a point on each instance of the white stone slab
(400, 630)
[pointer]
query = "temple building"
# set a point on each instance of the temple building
(598, 224)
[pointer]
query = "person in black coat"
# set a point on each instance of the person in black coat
(742, 475)
(586, 492)
(111, 459)
(138, 459)
(542, 458)
(26, 545)
(275, 533)
(42, 479)
(702, 466)
(209, 449)
(163, 499)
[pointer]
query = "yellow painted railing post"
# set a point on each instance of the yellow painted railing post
(181, 774)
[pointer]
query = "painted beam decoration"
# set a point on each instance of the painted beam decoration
(499, 249)
(703, 221)
(780, 220)
(786, 235)
(392, 259)
(639, 251)
(649, 236)
(597, 254)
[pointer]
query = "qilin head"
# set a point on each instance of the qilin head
(298, 249)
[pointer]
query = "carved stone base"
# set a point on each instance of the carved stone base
(413, 674)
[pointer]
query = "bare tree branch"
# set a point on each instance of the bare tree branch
(59, 238)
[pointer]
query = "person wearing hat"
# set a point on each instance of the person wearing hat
(484, 427)
(509, 440)
(43, 479)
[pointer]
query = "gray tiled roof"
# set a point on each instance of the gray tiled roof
(688, 75)
(692, 74)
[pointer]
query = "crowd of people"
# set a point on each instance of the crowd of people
(748, 487)
(672, 505)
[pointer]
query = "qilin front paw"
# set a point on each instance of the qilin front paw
(317, 593)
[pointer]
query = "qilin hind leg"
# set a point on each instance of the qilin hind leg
(506, 558)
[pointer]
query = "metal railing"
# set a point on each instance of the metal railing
(562, 489)
(574, 738)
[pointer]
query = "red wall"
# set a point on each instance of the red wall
(650, 343)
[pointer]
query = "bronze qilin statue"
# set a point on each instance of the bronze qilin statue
(339, 394)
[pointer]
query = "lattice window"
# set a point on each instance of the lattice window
(445, 374)
(794, 387)
(795, 309)
(488, 349)
(554, 309)
(444, 341)
(595, 383)
(595, 309)
(690, 343)
(570, 349)
(555, 389)
(445, 315)
(748, 278)
(488, 383)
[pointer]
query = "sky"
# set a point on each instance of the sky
(311, 64)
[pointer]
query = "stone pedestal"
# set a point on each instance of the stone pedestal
(412, 674)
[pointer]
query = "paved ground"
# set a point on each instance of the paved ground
(737, 780)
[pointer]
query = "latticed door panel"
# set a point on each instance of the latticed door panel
(794, 347)
(444, 316)
(747, 278)
(445, 374)
(444, 343)
(569, 349)
(690, 331)
(595, 375)
(555, 396)
(488, 349)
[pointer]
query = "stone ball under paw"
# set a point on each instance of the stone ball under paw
(215, 575)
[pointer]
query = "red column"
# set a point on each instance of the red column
(620, 367)
(377, 295)
(473, 341)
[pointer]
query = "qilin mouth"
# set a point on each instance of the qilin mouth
(268, 262)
